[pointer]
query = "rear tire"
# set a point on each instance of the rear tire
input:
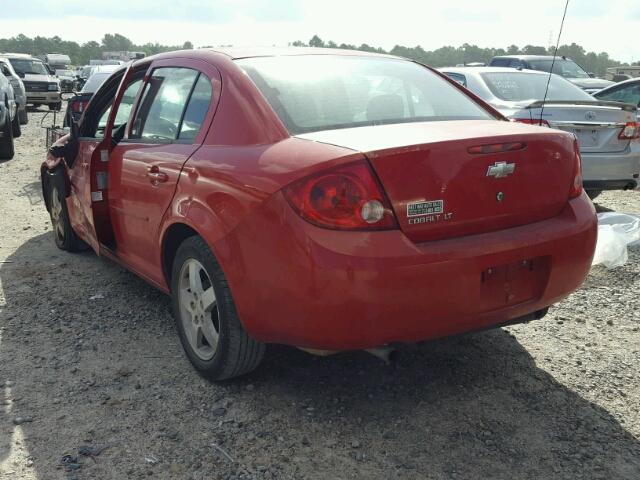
(206, 318)
(64, 235)
(6, 142)
(592, 194)
(24, 116)
(15, 127)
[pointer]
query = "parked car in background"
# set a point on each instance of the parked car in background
(563, 66)
(77, 104)
(67, 80)
(607, 132)
(9, 121)
(330, 200)
(82, 75)
(626, 92)
(42, 87)
(18, 90)
(56, 61)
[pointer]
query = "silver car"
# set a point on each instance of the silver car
(9, 124)
(18, 89)
(607, 132)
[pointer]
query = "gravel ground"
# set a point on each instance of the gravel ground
(94, 384)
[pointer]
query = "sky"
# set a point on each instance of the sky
(598, 25)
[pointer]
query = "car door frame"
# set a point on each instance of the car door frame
(154, 273)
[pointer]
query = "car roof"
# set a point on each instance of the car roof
(248, 52)
(618, 84)
(19, 55)
(532, 57)
(477, 70)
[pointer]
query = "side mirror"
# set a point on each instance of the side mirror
(591, 74)
(21, 74)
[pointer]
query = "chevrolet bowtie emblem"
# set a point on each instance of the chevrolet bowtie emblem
(501, 169)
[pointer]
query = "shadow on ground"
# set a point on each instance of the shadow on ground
(92, 356)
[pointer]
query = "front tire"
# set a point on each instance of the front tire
(15, 127)
(64, 235)
(55, 106)
(23, 116)
(592, 194)
(206, 318)
(6, 142)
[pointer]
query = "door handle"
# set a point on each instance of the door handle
(156, 176)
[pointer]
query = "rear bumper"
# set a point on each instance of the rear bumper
(297, 284)
(623, 184)
(611, 167)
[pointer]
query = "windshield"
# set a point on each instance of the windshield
(562, 67)
(28, 66)
(522, 86)
(324, 92)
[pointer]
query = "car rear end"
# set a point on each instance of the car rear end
(607, 132)
(434, 218)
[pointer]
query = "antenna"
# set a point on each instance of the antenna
(555, 53)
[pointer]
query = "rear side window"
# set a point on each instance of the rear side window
(323, 92)
(625, 94)
(501, 62)
(457, 77)
(163, 102)
(197, 109)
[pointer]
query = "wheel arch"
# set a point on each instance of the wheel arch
(174, 235)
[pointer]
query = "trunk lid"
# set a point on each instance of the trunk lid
(440, 190)
(596, 125)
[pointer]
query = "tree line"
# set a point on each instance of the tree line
(80, 54)
(450, 56)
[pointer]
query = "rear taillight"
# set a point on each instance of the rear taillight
(79, 107)
(630, 131)
(576, 185)
(344, 198)
(532, 121)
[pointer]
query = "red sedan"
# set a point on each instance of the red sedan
(324, 199)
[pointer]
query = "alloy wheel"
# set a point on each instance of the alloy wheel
(198, 309)
(56, 216)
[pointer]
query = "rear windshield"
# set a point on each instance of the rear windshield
(522, 86)
(564, 68)
(324, 92)
(94, 82)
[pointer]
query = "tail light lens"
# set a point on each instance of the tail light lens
(576, 186)
(79, 106)
(344, 198)
(630, 131)
(532, 121)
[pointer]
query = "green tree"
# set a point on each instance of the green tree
(316, 41)
(116, 43)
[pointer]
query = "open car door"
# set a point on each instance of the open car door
(88, 176)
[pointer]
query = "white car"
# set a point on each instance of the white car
(608, 132)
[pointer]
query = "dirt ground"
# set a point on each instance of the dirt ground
(94, 384)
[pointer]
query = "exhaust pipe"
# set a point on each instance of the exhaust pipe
(386, 354)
